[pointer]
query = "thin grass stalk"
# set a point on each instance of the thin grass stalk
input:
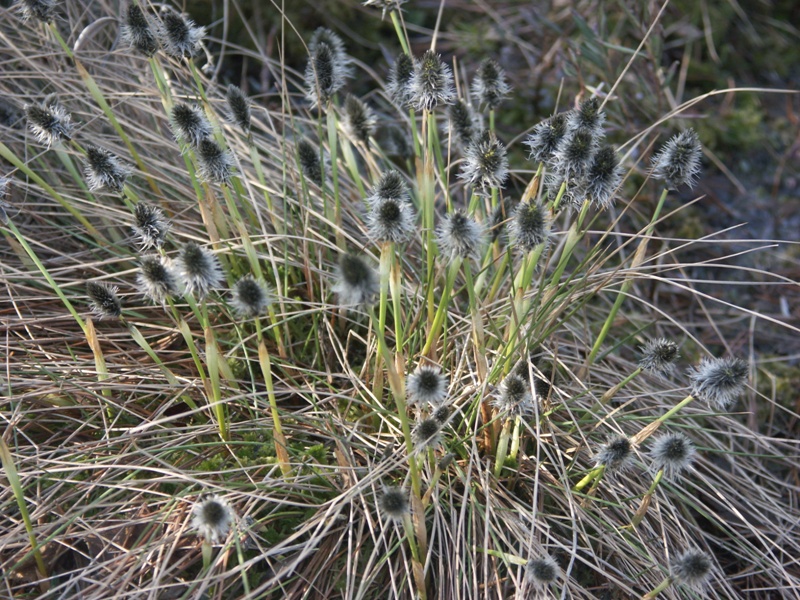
(441, 311)
(98, 96)
(19, 495)
(638, 259)
(277, 428)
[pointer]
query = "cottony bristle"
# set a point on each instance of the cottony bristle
(615, 455)
(38, 10)
(199, 269)
(432, 83)
(238, 108)
(342, 60)
(216, 164)
(546, 137)
(189, 123)
(103, 299)
(530, 226)
(385, 5)
(136, 31)
(356, 282)
(460, 236)
(212, 518)
(678, 161)
(485, 165)
(359, 120)
(399, 84)
(156, 280)
(541, 572)
(391, 220)
(673, 452)
(515, 397)
(392, 186)
(427, 433)
(691, 568)
(105, 170)
(426, 385)
(309, 162)
(659, 356)
(719, 381)
(603, 177)
(393, 503)
(49, 121)
(179, 36)
(588, 116)
(150, 227)
(573, 155)
(489, 86)
(324, 76)
(250, 297)
(463, 124)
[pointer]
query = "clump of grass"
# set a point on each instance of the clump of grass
(313, 325)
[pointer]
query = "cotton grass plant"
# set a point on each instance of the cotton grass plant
(434, 375)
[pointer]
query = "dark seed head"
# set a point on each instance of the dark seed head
(691, 568)
(460, 236)
(105, 170)
(103, 299)
(399, 83)
(427, 433)
(156, 280)
(356, 282)
(310, 164)
(719, 381)
(250, 297)
(659, 356)
(432, 83)
(150, 227)
(485, 165)
(462, 124)
(189, 123)
(545, 138)
(673, 452)
(541, 572)
(530, 226)
(179, 36)
(359, 119)
(678, 161)
(49, 121)
(200, 269)
(393, 503)
(212, 518)
(490, 86)
(216, 164)
(136, 31)
(238, 107)
(39, 10)
(603, 177)
(616, 454)
(426, 385)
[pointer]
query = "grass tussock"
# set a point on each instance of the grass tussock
(320, 343)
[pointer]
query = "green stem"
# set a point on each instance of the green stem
(628, 283)
(656, 591)
(19, 494)
(401, 34)
(56, 288)
(281, 449)
(502, 448)
(594, 475)
(444, 302)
